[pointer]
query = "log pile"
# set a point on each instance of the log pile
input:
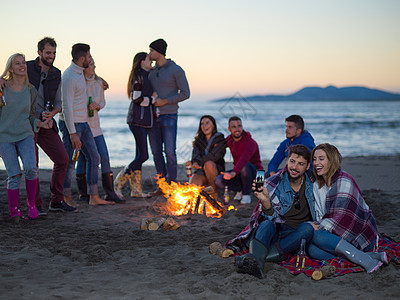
(156, 223)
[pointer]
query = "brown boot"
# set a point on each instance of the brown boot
(135, 183)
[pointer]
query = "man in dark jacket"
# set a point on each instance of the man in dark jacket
(47, 80)
(246, 161)
(295, 135)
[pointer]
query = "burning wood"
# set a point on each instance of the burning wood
(188, 198)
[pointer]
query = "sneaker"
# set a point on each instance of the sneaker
(246, 199)
(238, 196)
(60, 206)
(41, 211)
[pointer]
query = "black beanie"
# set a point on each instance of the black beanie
(160, 46)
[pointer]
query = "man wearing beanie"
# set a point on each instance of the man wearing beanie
(170, 83)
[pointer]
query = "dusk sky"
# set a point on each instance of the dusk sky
(252, 47)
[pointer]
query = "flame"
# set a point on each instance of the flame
(182, 199)
(231, 207)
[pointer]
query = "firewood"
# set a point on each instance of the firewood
(217, 249)
(152, 223)
(170, 224)
(324, 272)
(156, 223)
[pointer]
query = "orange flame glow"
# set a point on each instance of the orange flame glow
(182, 199)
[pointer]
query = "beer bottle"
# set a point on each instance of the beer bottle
(226, 195)
(2, 99)
(90, 111)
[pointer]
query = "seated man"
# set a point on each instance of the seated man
(280, 220)
(246, 161)
(295, 135)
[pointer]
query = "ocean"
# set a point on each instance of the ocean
(357, 128)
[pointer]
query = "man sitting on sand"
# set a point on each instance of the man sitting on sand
(295, 135)
(246, 161)
(277, 225)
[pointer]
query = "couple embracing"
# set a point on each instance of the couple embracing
(153, 111)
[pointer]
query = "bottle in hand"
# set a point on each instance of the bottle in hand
(90, 111)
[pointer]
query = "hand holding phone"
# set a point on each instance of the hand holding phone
(260, 177)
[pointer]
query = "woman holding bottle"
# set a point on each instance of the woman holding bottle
(17, 122)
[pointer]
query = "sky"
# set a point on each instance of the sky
(225, 47)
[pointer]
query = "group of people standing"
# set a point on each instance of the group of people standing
(35, 91)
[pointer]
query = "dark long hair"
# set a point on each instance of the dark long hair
(135, 71)
(200, 135)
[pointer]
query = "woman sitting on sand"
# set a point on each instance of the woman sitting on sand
(208, 153)
(17, 120)
(95, 90)
(139, 119)
(344, 223)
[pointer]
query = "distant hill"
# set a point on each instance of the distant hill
(328, 93)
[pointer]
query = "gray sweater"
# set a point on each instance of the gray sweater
(169, 81)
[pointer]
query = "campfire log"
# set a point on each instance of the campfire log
(217, 249)
(170, 224)
(213, 202)
(323, 272)
(196, 208)
(152, 223)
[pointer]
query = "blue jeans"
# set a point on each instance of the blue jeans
(104, 158)
(89, 149)
(289, 239)
(142, 152)
(323, 245)
(241, 182)
(9, 153)
(164, 132)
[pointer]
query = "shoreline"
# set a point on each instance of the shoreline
(101, 253)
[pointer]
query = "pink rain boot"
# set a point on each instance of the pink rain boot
(13, 203)
(31, 187)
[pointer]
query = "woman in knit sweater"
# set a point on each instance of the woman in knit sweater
(344, 223)
(95, 90)
(17, 121)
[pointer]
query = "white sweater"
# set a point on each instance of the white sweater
(95, 90)
(74, 97)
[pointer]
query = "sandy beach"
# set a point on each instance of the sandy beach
(101, 252)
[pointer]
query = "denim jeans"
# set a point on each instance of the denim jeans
(89, 149)
(82, 167)
(51, 144)
(9, 153)
(241, 182)
(164, 132)
(142, 152)
(323, 245)
(288, 238)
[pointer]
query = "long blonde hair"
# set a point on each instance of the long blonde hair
(335, 160)
(7, 75)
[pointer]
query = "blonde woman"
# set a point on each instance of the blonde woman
(344, 223)
(17, 122)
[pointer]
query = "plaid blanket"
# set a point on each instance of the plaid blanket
(343, 266)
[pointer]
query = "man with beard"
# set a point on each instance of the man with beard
(295, 135)
(281, 218)
(74, 126)
(246, 161)
(47, 80)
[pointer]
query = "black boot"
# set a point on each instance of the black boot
(82, 187)
(253, 262)
(275, 254)
(108, 187)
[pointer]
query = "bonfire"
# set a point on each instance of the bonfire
(188, 198)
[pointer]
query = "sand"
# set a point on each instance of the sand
(101, 253)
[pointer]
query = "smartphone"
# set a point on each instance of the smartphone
(260, 176)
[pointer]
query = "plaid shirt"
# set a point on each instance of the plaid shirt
(347, 214)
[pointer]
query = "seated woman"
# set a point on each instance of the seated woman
(344, 223)
(17, 121)
(208, 153)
